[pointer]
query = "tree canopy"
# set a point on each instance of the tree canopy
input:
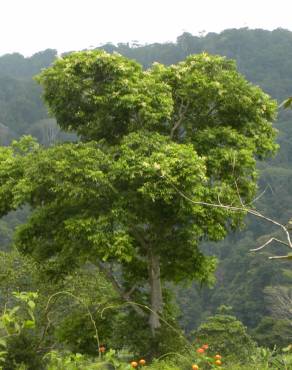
(112, 198)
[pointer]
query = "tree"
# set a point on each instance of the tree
(279, 299)
(226, 335)
(272, 331)
(112, 198)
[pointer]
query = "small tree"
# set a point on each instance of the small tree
(112, 198)
(226, 335)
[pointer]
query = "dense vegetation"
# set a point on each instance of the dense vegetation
(250, 283)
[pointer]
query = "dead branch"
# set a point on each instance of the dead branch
(268, 242)
(245, 209)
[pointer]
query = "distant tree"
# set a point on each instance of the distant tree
(46, 131)
(272, 331)
(112, 198)
(279, 299)
(49, 133)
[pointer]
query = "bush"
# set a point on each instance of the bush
(77, 331)
(226, 335)
(21, 350)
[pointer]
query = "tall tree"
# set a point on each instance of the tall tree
(112, 198)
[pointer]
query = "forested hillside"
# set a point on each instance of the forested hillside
(245, 280)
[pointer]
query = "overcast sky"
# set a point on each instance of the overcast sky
(28, 26)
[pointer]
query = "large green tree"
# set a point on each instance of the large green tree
(112, 198)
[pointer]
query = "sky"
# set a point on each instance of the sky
(29, 26)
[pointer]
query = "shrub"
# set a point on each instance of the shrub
(226, 335)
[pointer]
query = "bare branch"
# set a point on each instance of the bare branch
(130, 292)
(287, 257)
(247, 210)
(260, 195)
(268, 242)
(283, 227)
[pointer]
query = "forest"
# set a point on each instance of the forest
(116, 164)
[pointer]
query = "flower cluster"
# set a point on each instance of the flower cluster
(101, 349)
(218, 360)
(135, 364)
(205, 358)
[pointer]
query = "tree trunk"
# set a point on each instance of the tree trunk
(156, 302)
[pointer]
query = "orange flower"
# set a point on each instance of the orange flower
(142, 362)
(200, 350)
(218, 357)
(218, 362)
(205, 346)
(195, 367)
(134, 364)
(101, 349)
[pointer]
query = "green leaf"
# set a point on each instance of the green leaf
(29, 324)
(31, 305)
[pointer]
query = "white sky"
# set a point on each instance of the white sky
(29, 26)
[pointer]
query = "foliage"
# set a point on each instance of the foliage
(146, 135)
(21, 353)
(82, 292)
(15, 326)
(273, 331)
(226, 335)
(264, 58)
(59, 361)
(17, 273)
(77, 333)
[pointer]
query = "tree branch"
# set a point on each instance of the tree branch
(125, 296)
(267, 243)
(181, 114)
(287, 257)
(250, 211)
